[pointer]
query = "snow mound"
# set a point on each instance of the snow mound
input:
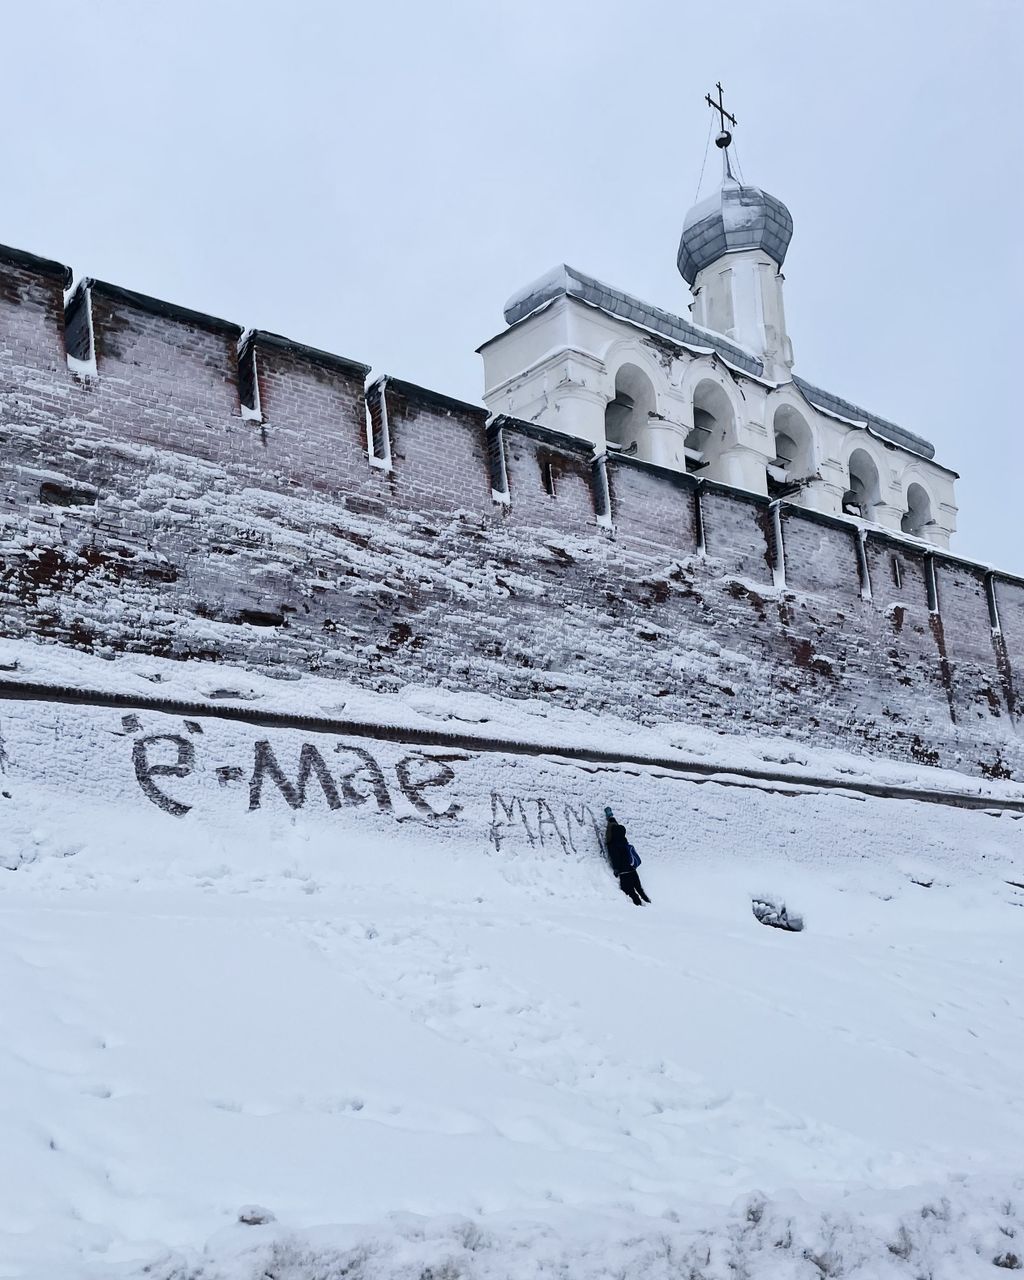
(962, 1233)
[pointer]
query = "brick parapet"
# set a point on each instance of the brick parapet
(32, 314)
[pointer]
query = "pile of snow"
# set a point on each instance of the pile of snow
(871, 1236)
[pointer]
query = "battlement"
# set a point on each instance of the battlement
(172, 483)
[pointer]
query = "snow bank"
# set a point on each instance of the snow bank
(957, 1233)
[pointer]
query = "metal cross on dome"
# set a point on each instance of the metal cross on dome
(724, 136)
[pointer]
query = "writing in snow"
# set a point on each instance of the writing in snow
(352, 777)
(349, 776)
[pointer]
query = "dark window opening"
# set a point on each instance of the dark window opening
(918, 516)
(863, 495)
(617, 416)
(713, 420)
(788, 472)
(629, 411)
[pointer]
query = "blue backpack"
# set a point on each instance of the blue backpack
(634, 857)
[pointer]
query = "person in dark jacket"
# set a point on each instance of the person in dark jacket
(624, 860)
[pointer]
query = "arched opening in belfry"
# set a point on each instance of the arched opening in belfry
(864, 493)
(712, 420)
(918, 515)
(628, 412)
(792, 468)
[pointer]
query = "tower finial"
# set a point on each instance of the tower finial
(724, 136)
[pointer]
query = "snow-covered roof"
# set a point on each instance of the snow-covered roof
(843, 409)
(566, 281)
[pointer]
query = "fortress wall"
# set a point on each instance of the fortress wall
(897, 573)
(438, 451)
(912, 633)
(1008, 643)
(821, 555)
(962, 610)
(165, 376)
(550, 480)
(311, 428)
(737, 530)
(883, 642)
(653, 507)
(195, 502)
(532, 622)
(32, 314)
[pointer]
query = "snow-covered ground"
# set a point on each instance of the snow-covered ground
(442, 1048)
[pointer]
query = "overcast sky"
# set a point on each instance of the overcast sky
(377, 178)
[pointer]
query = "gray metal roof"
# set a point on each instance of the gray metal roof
(735, 217)
(880, 426)
(565, 281)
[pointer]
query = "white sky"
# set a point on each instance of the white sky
(377, 178)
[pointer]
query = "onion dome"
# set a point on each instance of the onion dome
(736, 217)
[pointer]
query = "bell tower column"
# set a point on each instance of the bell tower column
(740, 296)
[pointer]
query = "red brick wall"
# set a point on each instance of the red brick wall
(551, 484)
(737, 530)
(1009, 643)
(313, 432)
(821, 556)
(962, 613)
(32, 316)
(653, 508)
(438, 451)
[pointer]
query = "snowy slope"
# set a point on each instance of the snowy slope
(451, 1048)
(138, 678)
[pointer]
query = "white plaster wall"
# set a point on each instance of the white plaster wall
(740, 296)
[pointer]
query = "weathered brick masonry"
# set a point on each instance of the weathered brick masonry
(203, 496)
